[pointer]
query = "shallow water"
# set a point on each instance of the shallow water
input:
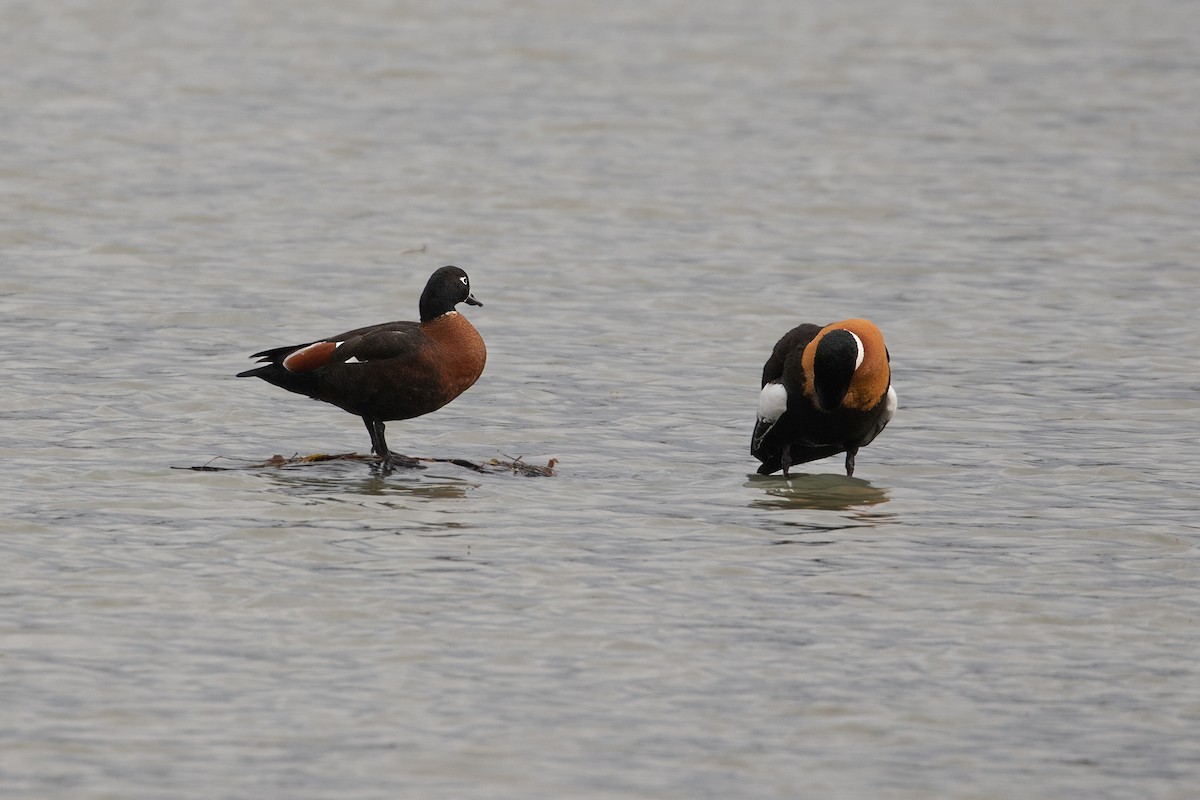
(1003, 602)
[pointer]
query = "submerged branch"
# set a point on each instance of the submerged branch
(515, 466)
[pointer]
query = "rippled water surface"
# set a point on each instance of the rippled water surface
(1004, 602)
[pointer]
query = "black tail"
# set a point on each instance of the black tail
(274, 373)
(275, 355)
(773, 460)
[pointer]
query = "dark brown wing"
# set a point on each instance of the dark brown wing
(795, 341)
(378, 342)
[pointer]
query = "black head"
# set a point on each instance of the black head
(838, 355)
(447, 287)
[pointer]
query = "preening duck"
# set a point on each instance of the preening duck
(392, 371)
(825, 390)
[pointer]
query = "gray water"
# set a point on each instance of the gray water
(1005, 601)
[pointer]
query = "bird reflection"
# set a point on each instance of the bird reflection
(819, 492)
(374, 483)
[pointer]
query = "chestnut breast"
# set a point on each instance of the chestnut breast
(457, 352)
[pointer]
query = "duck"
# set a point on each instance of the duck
(391, 371)
(826, 389)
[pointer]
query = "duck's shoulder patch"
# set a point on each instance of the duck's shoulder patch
(310, 357)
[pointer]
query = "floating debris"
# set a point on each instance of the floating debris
(519, 467)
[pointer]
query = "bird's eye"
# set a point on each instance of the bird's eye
(464, 280)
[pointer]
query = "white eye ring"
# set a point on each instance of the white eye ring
(464, 280)
(858, 359)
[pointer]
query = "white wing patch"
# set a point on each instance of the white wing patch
(772, 402)
(351, 359)
(892, 404)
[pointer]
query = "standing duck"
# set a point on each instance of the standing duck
(825, 390)
(396, 370)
